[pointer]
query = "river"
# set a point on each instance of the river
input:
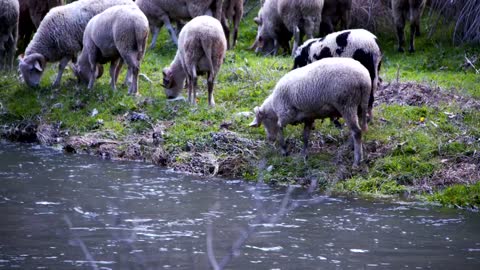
(62, 211)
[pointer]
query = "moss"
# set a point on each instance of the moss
(459, 195)
(374, 185)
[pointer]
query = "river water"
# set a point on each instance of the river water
(62, 211)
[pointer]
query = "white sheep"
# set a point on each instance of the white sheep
(272, 32)
(162, 12)
(232, 11)
(358, 44)
(301, 17)
(335, 11)
(9, 14)
(59, 37)
(407, 9)
(331, 87)
(201, 48)
(117, 35)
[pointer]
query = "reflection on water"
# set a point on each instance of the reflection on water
(77, 212)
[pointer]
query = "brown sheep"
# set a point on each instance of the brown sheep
(232, 12)
(32, 13)
(411, 9)
(335, 11)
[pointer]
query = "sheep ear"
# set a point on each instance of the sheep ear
(257, 20)
(37, 66)
(258, 118)
(20, 57)
(167, 78)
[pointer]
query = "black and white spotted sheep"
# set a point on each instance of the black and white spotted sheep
(358, 44)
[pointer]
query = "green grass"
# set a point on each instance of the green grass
(405, 146)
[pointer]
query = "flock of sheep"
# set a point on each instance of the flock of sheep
(334, 76)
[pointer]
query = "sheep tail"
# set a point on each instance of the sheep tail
(141, 35)
(207, 49)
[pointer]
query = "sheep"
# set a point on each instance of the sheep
(272, 32)
(331, 87)
(9, 14)
(301, 17)
(411, 9)
(232, 10)
(59, 38)
(32, 13)
(119, 34)
(358, 44)
(333, 12)
(279, 17)
(201, 48)
(160, 12)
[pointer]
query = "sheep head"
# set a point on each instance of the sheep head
(172, 82)
(269, 121)
(31, 67)
(82, 72)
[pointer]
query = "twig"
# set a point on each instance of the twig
(471, 64)
(88, 255)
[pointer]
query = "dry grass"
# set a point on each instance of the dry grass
(465, 14)
(372, 15)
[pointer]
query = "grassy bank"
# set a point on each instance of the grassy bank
(425, 135)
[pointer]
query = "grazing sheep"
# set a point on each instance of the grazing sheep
(117, 35)
(232, 11)
(160, 12)
(8, 32)
(331, 87)
(335, 11)
(59, 37)
(32, 13)
(411, 9)
(278, 19)
(201, 48)
(301, 17)
(358, 44)
(272, 32)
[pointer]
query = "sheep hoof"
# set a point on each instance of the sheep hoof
(401, 50)
(411, 50)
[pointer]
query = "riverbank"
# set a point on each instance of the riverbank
(425, 135)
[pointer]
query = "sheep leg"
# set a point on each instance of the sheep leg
(61, 67)
(11, 48)
(194, 89)
(306, 135)
(400, 25)
(281, 141)
(155, 31)
(210, 80)
(113, 74)
(412, 38)
(236, 24)
(352, 121)
(226, 30)
(309, 27)
(170, 29)
(296, 39)
(414, 25)
(133, 70)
